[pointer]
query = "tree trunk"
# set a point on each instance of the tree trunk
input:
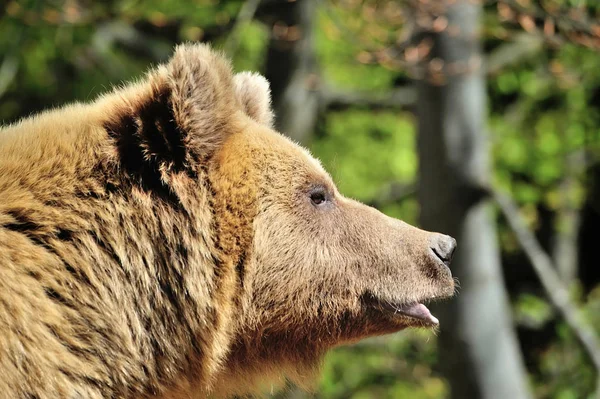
(589, 273)
(479, 353)
(291, 68)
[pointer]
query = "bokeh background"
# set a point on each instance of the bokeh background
(480, 119)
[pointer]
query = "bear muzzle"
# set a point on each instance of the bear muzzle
(438, 251)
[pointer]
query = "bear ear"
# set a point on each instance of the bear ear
(254, 94)
(178, 116)
(202, 96)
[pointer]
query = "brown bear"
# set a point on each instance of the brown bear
(165, 241)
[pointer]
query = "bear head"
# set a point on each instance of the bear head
(306, 268)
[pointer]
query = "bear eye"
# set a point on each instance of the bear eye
(318, 196)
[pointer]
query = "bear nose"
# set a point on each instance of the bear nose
(443, 247)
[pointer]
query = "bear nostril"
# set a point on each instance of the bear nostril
(443, 247)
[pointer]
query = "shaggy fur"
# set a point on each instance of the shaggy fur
(162, 241)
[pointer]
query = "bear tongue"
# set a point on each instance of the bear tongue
(418, 311)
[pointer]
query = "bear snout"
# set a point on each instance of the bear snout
(442, 248)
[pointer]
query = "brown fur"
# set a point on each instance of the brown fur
(161, 241)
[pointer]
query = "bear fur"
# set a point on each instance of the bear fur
(164, 241)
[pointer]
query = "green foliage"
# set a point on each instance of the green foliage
(352, 141)
(338, 46)
(394, 367)
(251, 51)
(365, 150)
(532, 311)
(563, 369)
(549, 121)
(67, 51)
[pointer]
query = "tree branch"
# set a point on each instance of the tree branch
(568, 219)
(573, 24)
(118, 32)
(551, 282)
(245, 16)
(337, 99)
(524, 46)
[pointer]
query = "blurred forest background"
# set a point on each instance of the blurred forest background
(477, 118)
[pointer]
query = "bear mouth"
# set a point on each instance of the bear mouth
(413, 310)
